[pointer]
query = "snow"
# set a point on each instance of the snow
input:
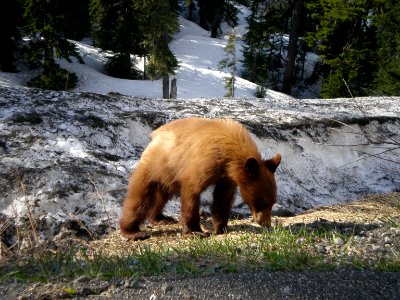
(77, 149)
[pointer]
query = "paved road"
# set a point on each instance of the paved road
(343, 284)
(335, 285)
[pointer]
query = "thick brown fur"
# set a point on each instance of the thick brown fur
(187, 156)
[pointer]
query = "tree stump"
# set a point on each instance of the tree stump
(165, 87)
(174, 89)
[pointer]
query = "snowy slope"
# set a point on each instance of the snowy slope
(198, 74)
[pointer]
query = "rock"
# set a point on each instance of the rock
(338, 241)
(165, 288)
(287, 290)
(387, 240)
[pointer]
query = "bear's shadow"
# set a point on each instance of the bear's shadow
(317, 226)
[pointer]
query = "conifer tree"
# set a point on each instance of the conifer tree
(346, 38)
(45, 25)
(76, 16)
(160, 20)
(264, 42)
(230, 62)
(211, 15)
(117, 29)
(387, 21)
(295, 32)
(10, 20)
(213, 12)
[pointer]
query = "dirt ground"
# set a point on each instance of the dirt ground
(374, 208)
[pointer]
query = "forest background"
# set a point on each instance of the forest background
(357, 41)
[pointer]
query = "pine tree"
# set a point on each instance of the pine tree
(160, 19)
(45, 25)
(117, 29)
(264, 43)
(295, 32)
(387, 21)
(213, 12)
(76, 16)
(230, 62)
(346, 39)
(10, 20)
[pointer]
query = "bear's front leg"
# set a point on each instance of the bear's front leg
(222, 204)
(135, 208)
(130, 229)
(132, 216)
(190, 212)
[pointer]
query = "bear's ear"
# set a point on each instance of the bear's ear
(274, 162)
(251, 168)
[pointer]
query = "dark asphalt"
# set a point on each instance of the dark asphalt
(343, 284)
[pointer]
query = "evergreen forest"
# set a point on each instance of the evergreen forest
(357, 41)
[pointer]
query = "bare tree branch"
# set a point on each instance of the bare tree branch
(377, 155)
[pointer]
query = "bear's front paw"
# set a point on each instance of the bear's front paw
(162, 220)
(136, 236)
(199, 234)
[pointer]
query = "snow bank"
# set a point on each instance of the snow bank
(68, 156)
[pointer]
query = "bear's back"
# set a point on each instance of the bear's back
(195, 146)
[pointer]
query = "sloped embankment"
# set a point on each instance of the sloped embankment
(67, 156)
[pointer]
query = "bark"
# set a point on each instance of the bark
(174, 89)
(292, 49)
(217, 18)
(165, 87)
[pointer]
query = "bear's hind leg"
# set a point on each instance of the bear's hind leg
(155, 215)
(222, 204)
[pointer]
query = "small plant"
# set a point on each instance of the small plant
(391, 221)
(230, 62)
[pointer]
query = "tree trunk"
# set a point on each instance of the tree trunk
(165, 86)
(203, 14)
(292, 49)
(48, 59)
(174, 89)
(217, 17)
(144, 68)
(191, 9)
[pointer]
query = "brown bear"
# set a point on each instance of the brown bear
(188, 155)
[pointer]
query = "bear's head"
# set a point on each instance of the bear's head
(258, 188)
